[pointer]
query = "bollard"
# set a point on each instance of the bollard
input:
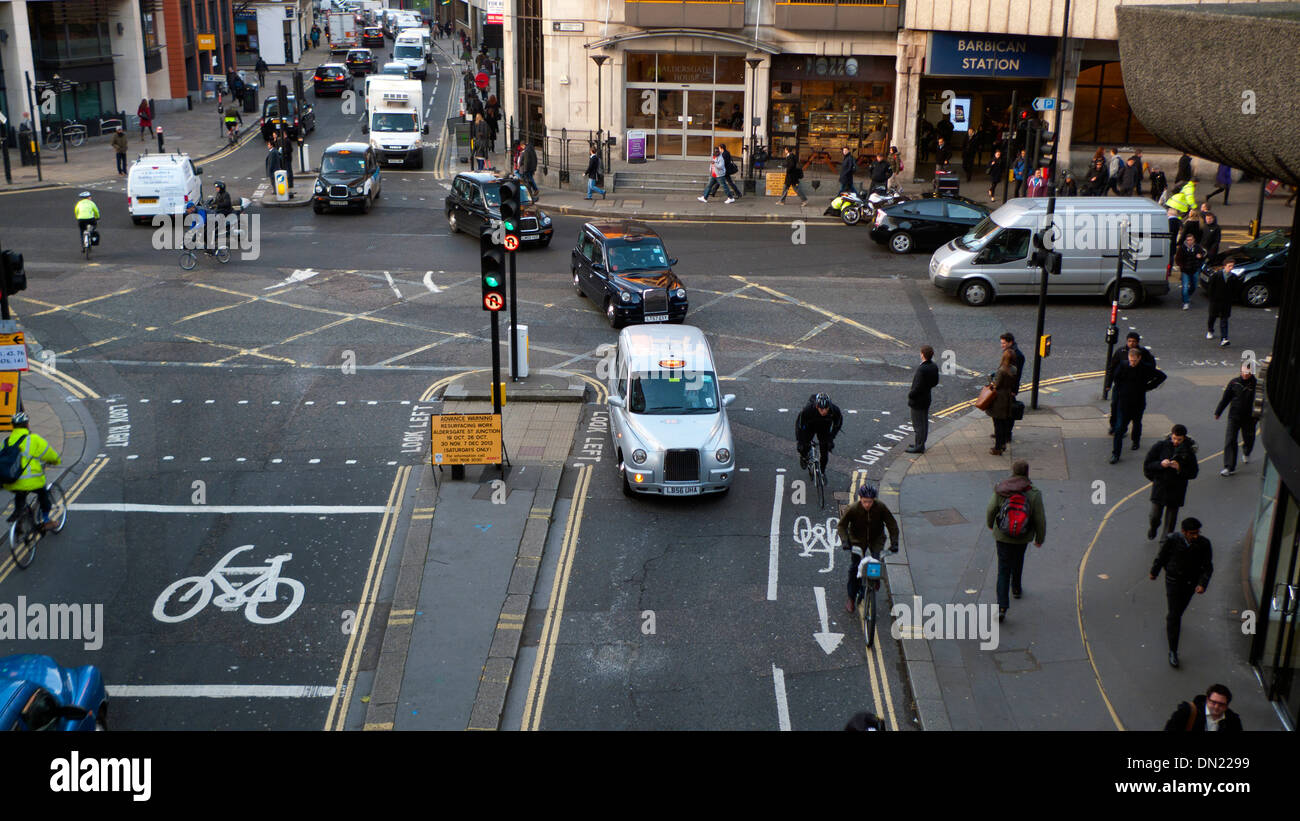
(282, 185)
(521, 333)
(160, 138)
(304, 156)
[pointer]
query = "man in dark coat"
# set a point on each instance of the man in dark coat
(1131, 380)
(1221, 288)
(847, 167)
(1184, 172)
(997, 173)
(1008, 341)
(942, 152)
(1011, 547)
(880, 172)
(793, 174)
(528, 167)
(1170, 465)
(918, 398)
(1211, 234)
(1129, 176)
(1205, 714)
(1239, 399)
(1133, 340)
(1188, 562)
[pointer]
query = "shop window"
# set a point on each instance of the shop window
(731, 70)
(641, 104)
(729, 110)
(640, 67)
(1102, 113)
(1263, 532)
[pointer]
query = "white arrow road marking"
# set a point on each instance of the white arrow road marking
(298, 275)
(782, 708)
(389, 277)
(828, 640)
(219, 691)
(774, 538)
(428, 283)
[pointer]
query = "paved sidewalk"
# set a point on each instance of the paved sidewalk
(1044, 675)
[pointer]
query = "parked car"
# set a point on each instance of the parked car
(372, 36)
(332, 78)
(349, 177)
(1261, 264)
(668, 425)
(399, 69)
(475, 199)
(927, 222)
(360, 61)
(37, 694)
(302, 117)
(622, 267)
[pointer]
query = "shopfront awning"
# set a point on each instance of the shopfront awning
(704, 34)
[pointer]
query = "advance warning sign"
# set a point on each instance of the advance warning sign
(466, 439)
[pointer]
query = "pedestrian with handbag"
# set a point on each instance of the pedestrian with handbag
(793, 176)
(999, 406)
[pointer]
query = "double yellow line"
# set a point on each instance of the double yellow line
(69, 496)
(1042, 383)
(876, 669)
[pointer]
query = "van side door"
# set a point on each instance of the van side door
(1004, 261)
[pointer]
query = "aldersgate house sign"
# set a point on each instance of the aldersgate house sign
(956, 54)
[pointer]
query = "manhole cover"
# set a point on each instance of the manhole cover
(947, 516)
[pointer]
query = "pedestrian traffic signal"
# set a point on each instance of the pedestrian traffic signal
(1045, 345)
(12, 276)
(1046, 145)
(493, 265)
(510, 214)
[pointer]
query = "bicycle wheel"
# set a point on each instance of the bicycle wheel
(222, 255)
(188, 260)
(77, 138)
(869, 616)
(22, 539)
(54, 140)
(821, 487)
(85, 244)
(200, 591)
(58, 507)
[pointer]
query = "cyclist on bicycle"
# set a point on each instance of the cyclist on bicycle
(233, 122)
(86, 212)
(822, 418)
(863, 525)
(221, 202)
(36, 454)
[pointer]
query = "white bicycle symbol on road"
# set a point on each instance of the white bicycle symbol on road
(261, 589)
(809, 535)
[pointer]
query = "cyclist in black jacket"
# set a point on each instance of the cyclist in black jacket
(822, 418)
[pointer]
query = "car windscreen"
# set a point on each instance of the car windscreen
(271, 108)
(395, 68)
(359, 56)
(642, 255)
(393, 121)
(1269, 243)
(492, 190)
(409, 50)
(977, 237)
(673, 392)
(348, 165)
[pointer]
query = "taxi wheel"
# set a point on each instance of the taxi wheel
(627, 488)
(316, 206)
(577, 285)
(365, 205)
(611, 315)
(451, 222)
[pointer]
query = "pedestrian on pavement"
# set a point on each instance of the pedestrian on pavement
(1211, 234)
(862, 527)
(793, 176)
(1036, 185)
(729, 165)
(1193, 224)
(942, 153)
(880, 171)
(1222, 183)
(1222, 288)
(1008, 343)
(924, 380)
(1205, 714)
(1159, 185)
(1068, 186)
(1175, 228)
(1184, 172)
(1114, 167)
(1133, 341)
(717, 170)
(119, 149)
(528, 167)
(997, 171)
(1095, 184)
(261, 69)
(1239, 399)
(968, 158)
(315, 36)
(1131, 380)
(1019, 170)
(492, 115)
(479, 131)
(1188, 562)
(1130, 176)
(145, 113)
(1004, 382)
(594, 174)
(896, 163)
(1170, 465)
(1015, 515)
(1184, 199)
(848, 166)
(1142, 171)
(1188, 259)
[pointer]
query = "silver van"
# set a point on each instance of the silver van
(668, 423)
(992, 259)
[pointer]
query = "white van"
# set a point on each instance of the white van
(426, 39)
(408, 49)
(992, 259)
(162, 184)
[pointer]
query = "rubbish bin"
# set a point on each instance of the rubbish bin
(462, 142)
(250, 98)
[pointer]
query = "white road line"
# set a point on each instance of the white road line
(782, 709)
(123, 507)
(429, 283)
(220, 691)
(774, 538)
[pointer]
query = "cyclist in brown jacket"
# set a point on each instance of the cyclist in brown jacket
(863, 525)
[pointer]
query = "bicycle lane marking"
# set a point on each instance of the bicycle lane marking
(7, 565)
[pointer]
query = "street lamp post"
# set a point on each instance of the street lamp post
(754, 63)
(599, 60)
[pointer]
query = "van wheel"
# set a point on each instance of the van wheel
(419, 160)
(1128, 294)
(901, 242)
(137, 220)
(976, 293)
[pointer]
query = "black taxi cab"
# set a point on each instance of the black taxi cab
(474, 202)
(623, 267)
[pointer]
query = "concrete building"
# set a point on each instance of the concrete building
(274, 29)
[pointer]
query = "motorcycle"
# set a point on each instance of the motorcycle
(882, 198)
(849, 206)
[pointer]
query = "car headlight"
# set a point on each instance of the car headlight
(626, 296)
(723, 456)
(320, 187)
(638, 456)
(680, 293)
(546, 220)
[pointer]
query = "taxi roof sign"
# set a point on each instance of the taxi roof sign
(672, 363)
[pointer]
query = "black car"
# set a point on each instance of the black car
(475, 198)
(331, 78)
(360, 61)
(349, 177)
(623, 267)
(301, 119)
(1260, 263)
(927, 222)
(372, 36)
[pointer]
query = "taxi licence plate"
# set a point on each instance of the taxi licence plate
(693, 490)
(339, 202)
(656, 318)
(395, 161)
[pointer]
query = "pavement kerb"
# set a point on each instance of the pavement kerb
(593, 213)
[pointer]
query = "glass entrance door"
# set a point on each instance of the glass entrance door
(685, 124)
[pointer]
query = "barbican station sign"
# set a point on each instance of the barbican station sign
(960, 54)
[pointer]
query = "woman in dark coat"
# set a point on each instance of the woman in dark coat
(1005, 381)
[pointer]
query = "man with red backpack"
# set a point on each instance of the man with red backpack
(1015, 515)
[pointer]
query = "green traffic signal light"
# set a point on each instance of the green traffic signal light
(491, 281)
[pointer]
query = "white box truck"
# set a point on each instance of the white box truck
(395, 120)
(344, 33)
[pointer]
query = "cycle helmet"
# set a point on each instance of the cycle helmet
(822, 400)
(868, 491)
(220, 186)
(20, 419)
(85, 195)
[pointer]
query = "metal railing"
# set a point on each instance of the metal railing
(561, 160)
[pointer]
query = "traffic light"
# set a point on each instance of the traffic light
(12, 276)
(1044, 256)
(494, 273)
(1046, 144)
(510, 215)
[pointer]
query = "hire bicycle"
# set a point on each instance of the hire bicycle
(871, 570)
(190, 256)
(28, 527)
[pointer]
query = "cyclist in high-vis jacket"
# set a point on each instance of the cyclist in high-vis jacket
(36, 454)
(86, 212)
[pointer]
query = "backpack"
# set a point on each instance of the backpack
(11, 461)
(1013, 515)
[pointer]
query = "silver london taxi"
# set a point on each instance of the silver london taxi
(668, 422)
